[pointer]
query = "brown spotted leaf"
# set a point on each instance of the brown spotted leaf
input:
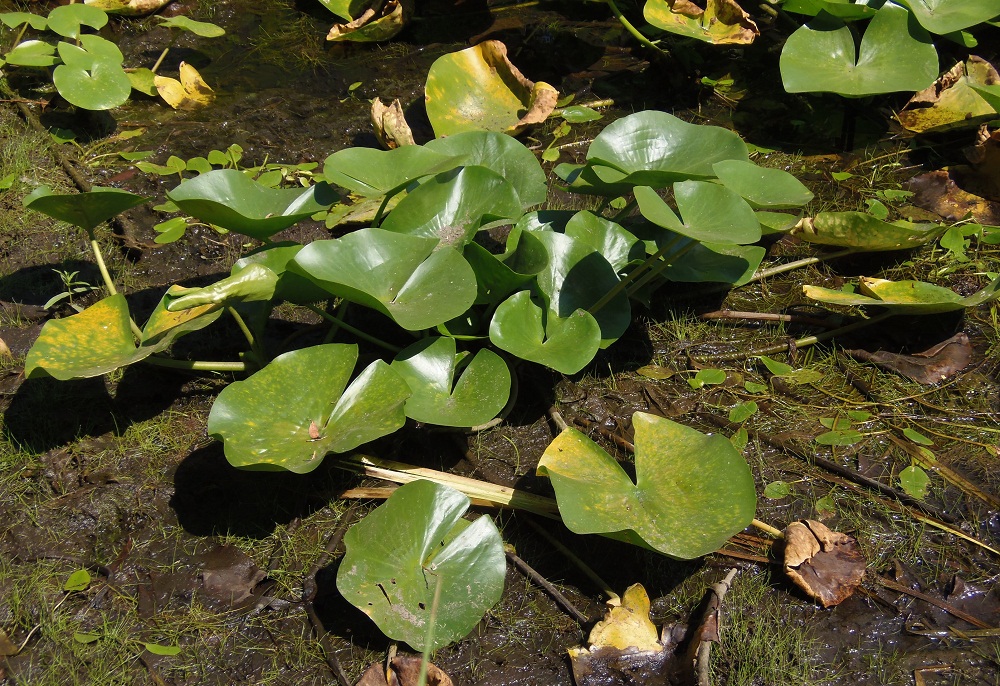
(720, 21)
(934, 365)
(950, 102)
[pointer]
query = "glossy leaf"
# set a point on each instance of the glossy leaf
(16, 19)
(189, 92)
(372, 173)
(618, 246)
(844, 9)
(990, 94)
(292, 287)
(345, 9)
(67, 20)
(230, 199)
(253, 283)
(721, 22)
(904, 297)
(413, 546)
(945, 16)
(452, 205)
(32, 53)
(522, 326)
(85, 210)
(164, 326)
(655, 149)
(494, 279)
(952, 102)
(429, 368)
(692, 491)
(479, 89)
(298, 408)
(710, 212)
(91, 75)
(863, 231)
(716, 262)
(914, 481)
(762, 187)
(894, 56)
(507, 156)
(404, 277)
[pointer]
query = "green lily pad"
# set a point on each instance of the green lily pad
(692, 491)
(164, 326)
(429, 368)
(142, 80)
(583, 178)
(416, 546)
(864, 232)
(199, 28)
(253, 283)
(523, 327)
(505, 155)
(405, 277)
(232, 200)
(844, 9)
(345, 9)
(618, 246)
(91, 75)
(894, 56)
(904, 297)
(298, 408)
(292, 287)
(655, 149)
(761, 187)
(15, 19)
(452, 205)
(945, 16)
(721, 22)
(717, 263)
(479, 89)
(990, 94)
(85, 210)
(372, 173)
(710, 212)
(32, 53)
(914, 481)
(67, 20)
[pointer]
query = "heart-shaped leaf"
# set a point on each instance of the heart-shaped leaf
(128, 8)
(692, 491)
(505, 155)
(762, 187)
(717, 262)
(945, 16)
(710, 212)
(494, 279)
(523, 327)
(952, 102)
(294, 411)
(429, 367)
(373, 26)
(85, 210)
(864, 232)
(32, 53)
(188, 93)
(904, 297)
(230, 199)
(618, 246)
(405, 277)
(452, 205)
(479, 89)
(91, 75)
(894, 56)
(722, 22)
(15, 19)
(371, 173)
(655, 149)
(990, 94)
(416, 546)
(66, 20)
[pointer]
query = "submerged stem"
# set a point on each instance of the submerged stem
(804, 262)
(631, 29)
(337, 321)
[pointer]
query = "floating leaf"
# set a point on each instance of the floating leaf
(844, 9)
(946, 16)
(863, 231)
(415, 546)
(157, 649)
(894, 56)
(840, 437)
(67, 20)
(762, 187)
(91, 75)
(707, 377)
(372, 26)
(128, 8)
(716, 262)
(909, 297)
(268, 420)
(429, 368)
(743, 412)
(710, 212)
(85, 210)
(405, 277)
(199, 28)
(232, 200)
(189, 93)
(373, 173)
(292, 287)
(142, 80)
(578, 114)
(77, 581)
(254, 282)
(480, 89)
(524, 328)
(722, 22)
(776, 490)
(616, 245)
(692, 491)
(16, 19)
(914, 481)
(656, 149)
(32, 53)
(917, 437)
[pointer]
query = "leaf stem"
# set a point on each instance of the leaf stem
(635, 273)
(339, 322)
(767, 528)
(804, 262)
(243, 327)
(631, 29)
(659, 267)
(196, 365)
(103, 268)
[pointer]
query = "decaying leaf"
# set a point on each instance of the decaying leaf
(950, 103)
(7, 647)
(964, 191)
(128, 8)
(390, 125)
(230, 575)
(480, 88)
(381, 21)
(404, 670)
(720, 22)
(627, 625)
(930, 366)
(191, 92)
(826, 564)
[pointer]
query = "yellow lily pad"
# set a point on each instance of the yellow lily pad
(190, 92)
(951, 102)
(720, 21)
(390, 124)
(374, 24)
(128, 8)
(628, 625)
(480, 89)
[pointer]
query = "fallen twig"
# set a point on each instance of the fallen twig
(554, 592)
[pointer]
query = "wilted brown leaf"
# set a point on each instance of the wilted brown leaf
(230, 575)
(949, 103)
(930, 366)
(404, 670)
(826, 564)
(390, 125)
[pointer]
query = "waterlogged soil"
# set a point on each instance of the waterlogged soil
(117, 476)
